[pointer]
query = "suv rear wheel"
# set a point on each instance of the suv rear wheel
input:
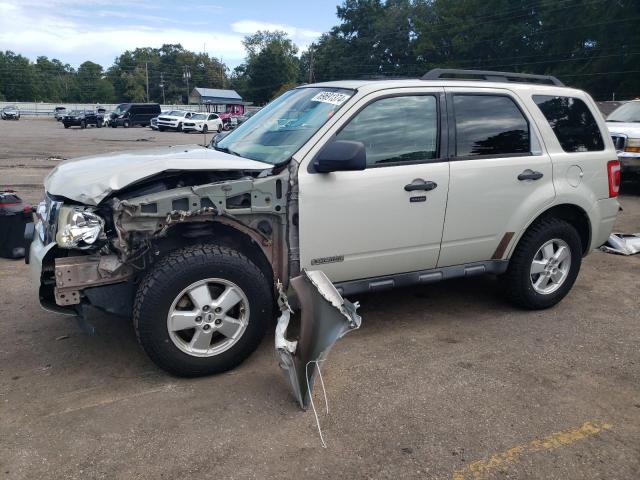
(202, 310)
(545, 264)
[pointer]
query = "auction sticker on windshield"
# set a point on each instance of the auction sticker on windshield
(335, 98)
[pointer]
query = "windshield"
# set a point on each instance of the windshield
(199, 116)
(629, 112)
(277, 131)
(121, 108)
(176, 113)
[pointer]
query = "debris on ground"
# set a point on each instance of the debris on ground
(622, 244)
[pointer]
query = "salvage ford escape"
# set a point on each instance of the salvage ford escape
(486, 172)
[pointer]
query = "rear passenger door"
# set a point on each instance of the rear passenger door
(500, 174)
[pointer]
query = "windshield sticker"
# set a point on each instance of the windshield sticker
(333, 98)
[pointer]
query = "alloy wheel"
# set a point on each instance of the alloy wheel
(208, 317)
(550, 266)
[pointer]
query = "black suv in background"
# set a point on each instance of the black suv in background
(132, 114)
(82, 118)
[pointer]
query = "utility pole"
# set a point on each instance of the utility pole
(164, 102)
(311, 63)
(187, 75)
(146, 71)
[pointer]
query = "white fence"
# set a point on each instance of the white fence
(34, 108)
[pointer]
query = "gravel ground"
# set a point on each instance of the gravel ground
(444, 381)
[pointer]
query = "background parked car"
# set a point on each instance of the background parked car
(624, 126)
(203, 123)
(132, 114)
(229, 123)
(173, 120)
(59, 113)
(10, 113)
(154, 121)
(82, 118)
(243, 118)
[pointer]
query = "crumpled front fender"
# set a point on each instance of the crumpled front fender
(325, 317)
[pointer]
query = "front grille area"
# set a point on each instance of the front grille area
(165, 119)
(189, 124)
(619, 142)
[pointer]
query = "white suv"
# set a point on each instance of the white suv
(173, 120)
(624, 125)
(506, 174)
(203, 123)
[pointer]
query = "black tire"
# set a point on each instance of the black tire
(66, 126)
(98, 124)
(205, 129)
(83, 124)
(219, 128)
(179, 127)
(169, 277)
(517, 279)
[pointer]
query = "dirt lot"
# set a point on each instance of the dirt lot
(445, 381)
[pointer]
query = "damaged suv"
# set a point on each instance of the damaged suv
(490, 172)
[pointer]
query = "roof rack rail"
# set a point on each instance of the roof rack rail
(490, 76)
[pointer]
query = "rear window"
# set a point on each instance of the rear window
(489, 125)
(572, 122)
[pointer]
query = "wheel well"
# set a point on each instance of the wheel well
(576, 217)
(213, 232)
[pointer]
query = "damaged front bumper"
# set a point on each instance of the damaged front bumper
(325, 317)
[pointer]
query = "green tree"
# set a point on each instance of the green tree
(92, 85)
(271, 62)
(17, 77)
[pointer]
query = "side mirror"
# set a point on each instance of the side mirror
(341, 155)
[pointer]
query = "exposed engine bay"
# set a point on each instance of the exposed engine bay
(126, 232)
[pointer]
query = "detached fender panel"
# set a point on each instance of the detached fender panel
(325, 317)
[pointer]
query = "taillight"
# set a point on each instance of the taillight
(613, 171)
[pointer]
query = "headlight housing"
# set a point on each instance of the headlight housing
(78, 227)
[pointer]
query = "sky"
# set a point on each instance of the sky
(99, 30)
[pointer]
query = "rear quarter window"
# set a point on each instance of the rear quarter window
(572, 122)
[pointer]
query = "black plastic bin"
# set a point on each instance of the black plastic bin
(14, 216)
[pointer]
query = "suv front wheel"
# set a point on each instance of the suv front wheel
(202, 310)
(545, 264)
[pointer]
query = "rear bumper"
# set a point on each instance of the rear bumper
(603, 216)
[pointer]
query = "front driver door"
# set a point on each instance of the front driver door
(388, 218)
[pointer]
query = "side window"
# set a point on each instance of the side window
(396, 129)
(572, 122)
(489, 125)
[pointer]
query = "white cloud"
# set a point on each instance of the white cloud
(33, 32)
(252, 26)
(73, 33)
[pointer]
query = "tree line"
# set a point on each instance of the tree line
(589, 44)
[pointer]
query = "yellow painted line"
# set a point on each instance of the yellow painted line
(481, 469)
